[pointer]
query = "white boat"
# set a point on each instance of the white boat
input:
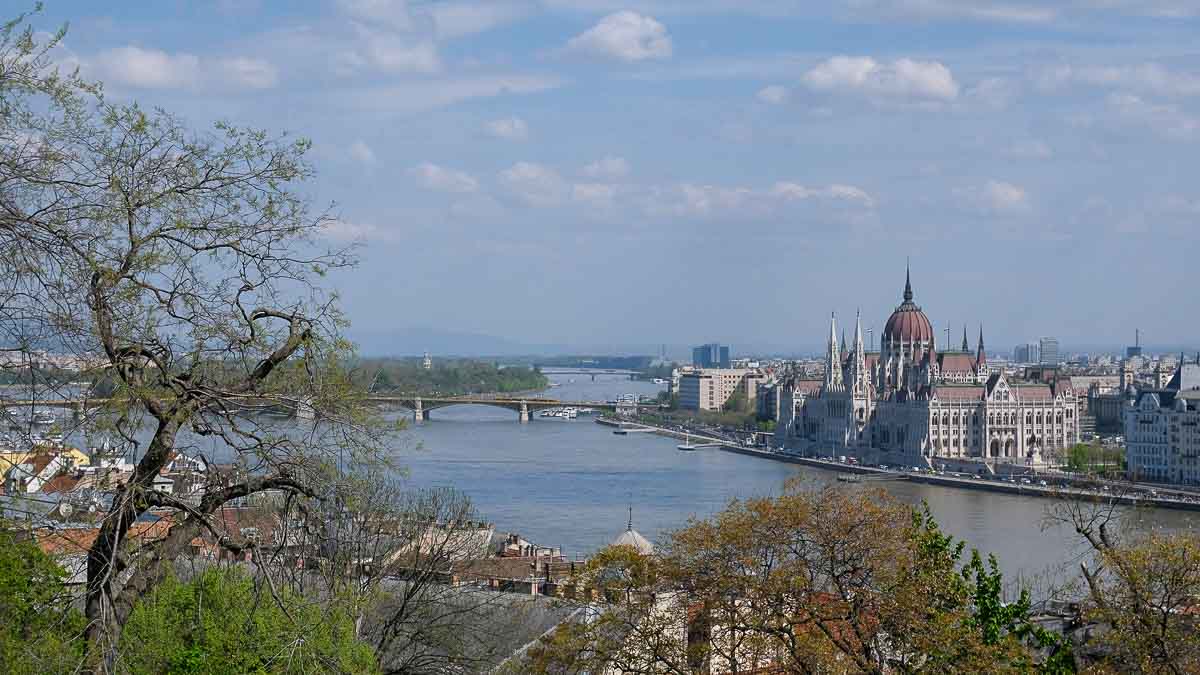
(572, 413)
(659, 380)
(687, 444)
(42, 417)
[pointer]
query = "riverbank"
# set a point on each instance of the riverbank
(1013, 488)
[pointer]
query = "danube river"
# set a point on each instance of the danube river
(569, 483)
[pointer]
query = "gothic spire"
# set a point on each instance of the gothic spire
(966, 346)
(844, 341)
(980, 355)
(859, 364)
(833, 360)
(908, 294)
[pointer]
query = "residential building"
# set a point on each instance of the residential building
(711, 388)
(1162, 430)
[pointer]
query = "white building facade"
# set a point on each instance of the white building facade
(1162, 430)
(912, 403)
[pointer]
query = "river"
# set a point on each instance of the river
(569, 483)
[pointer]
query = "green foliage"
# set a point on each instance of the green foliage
(1086, 458)
(446, 378)
(39, 630)
(222, 622)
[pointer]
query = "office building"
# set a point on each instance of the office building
(1048, 347)
(711, 355)
(1027, 353)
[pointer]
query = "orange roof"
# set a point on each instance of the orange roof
(77, 540)
(63, 483)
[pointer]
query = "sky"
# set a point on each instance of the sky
(605, 173)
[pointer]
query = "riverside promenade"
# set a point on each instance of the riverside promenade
(1015, 488)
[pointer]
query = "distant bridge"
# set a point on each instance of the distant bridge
(420, 405)
(524, 407)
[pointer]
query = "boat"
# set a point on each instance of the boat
(847, 478)
(42, 417)
(687, 444)
(659, 380)
(572, 413)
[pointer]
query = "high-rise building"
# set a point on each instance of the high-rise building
(1049, 350)
(1027, 353)
(711, 355)
(1136, 349)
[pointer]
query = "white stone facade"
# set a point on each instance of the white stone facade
(911, 403)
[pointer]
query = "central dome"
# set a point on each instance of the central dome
(908, 323)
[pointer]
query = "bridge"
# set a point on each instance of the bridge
(420, 405)
(524, 407)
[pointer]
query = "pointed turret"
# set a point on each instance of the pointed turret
(844, 350)
(966, 346)
(833, 360)
(980, 354)
(908, 294)
(859, 364)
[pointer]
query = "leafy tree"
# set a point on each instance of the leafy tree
(40, 632)
(1139, 596)
(188, 267)
(224, 621)
(810, 581)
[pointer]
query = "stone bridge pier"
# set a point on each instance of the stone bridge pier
(524, 413)
(420, 414)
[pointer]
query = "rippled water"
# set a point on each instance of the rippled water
(569, 483)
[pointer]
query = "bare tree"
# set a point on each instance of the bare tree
(1141, 589)
(187, 267)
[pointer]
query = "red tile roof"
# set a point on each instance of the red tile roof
(63, 483)
(956, 362)
(1033, 392)
(950, 392)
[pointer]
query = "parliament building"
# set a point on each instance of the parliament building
(913, 402)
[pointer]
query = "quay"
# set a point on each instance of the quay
(873, 474)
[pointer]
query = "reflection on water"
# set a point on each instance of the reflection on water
(568, 483)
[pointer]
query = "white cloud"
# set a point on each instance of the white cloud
(393, 52)
(393, 14)
(459, 19)
(788, 191)
(690, 199)
(361, 152)
(904, 78)
(596, 194)
(434, 177)
(342, 231)
(1168, 120)
(144, 68)
(1031, 149)
(250, 73)
(534, 184)
(510, 128)
(626, 36)
(148, 68)
(997, 197)
(607, 167)
(1153, 78)
(773, 94)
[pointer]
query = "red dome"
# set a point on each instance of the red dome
(908, 322)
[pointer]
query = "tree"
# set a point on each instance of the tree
(224, 621)
(187, 267)
(39, 629)
(810, 581)
(1140, 591)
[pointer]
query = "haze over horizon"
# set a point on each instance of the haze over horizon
(591, 172)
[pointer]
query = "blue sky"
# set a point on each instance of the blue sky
(594, 172)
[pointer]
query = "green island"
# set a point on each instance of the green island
(457, 377)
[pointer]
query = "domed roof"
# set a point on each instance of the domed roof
(908, 322)
(631, 537)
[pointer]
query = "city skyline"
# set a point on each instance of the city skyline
(499, 159)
